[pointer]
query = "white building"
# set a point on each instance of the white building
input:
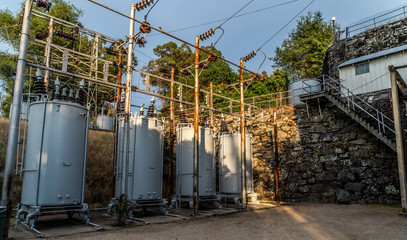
(370, 73)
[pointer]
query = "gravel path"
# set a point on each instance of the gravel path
(299, 221)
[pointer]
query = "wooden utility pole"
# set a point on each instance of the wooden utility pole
(398, 128)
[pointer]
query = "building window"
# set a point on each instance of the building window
(362, 68)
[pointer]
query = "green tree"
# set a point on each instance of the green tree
(170, 55)
(302, 53)
(10, 30)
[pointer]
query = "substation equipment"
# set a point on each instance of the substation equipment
(144, 145)
(54, 166)
(104, 122)
(185, 142)
(230, 167)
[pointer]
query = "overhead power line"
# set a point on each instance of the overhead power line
(227, 19)
(281, 29)
(167, 34)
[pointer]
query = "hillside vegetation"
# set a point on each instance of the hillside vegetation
(99, 172)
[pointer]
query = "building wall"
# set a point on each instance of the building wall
(384, 37)
(378, 77)
(325, 157)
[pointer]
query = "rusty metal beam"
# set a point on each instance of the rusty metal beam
(170, 170)
(276, 158)
(211, 105)
(196, 131)
(242, 136)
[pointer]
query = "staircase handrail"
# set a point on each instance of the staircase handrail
(329, 83)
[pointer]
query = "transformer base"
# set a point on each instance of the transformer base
(143, 204)
(28, 215)
(237, 198)
(177, 200)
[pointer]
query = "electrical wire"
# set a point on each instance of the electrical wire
(281, 29)
(145, 16)
(240, 15)
(143, 54)
(167, 34)
(369, 82)
(227, 19)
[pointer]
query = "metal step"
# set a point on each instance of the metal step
(359, 119)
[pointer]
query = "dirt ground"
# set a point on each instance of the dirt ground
(298, 221)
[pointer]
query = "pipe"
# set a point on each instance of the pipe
(242, 137)
(7, 190)
(196, 131)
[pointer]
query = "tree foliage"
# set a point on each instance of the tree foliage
(10, 30)
(302, 53)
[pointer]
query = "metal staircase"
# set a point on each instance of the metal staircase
(359, 110)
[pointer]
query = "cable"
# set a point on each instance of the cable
(143, 53)
(219, 20)
(145, 16)
(236, 13)
(169, 35)
(292, 19)
(369, 82)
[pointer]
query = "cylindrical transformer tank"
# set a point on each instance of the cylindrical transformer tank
(145, 164)
(230, 164)
(105, 122)
(185, 161)
(55, 159)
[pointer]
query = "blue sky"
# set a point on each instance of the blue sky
(242, 34)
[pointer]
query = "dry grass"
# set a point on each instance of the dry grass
(99, 173)
(99, 168)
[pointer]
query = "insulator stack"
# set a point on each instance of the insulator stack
(212, 58)
(44, 4)
(145, 27)
(39, 86)
(69, 36)
(42, 35)
(151, 108)
(203, 66)
(81, 93)
(256, 77)
(143, 4)
(142, 110)
(70, 96)
(63, 96)
(57, 93)
(182, 116)
(250, 56)
(207, 34)
(141, 41)
(112, 52)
